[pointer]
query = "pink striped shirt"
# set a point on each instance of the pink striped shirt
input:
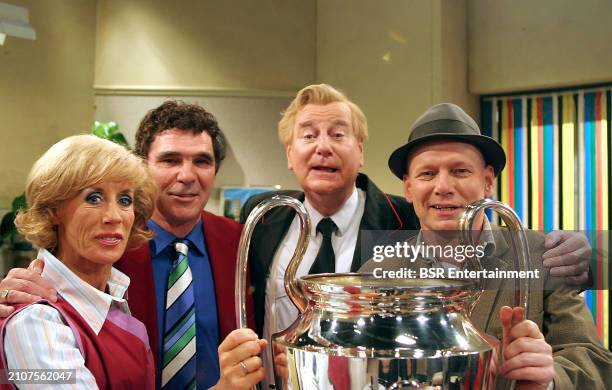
(37, 337)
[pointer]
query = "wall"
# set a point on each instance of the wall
(450, 56)
(218, 45)
(45, 86)
(517, 45)
(395, 59)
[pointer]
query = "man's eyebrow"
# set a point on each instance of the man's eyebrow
(335, 122)
(421, 166)
(167, 154)
(341, 122)
(170, 154)
(205, 155)
(468, 164)
(305, 124)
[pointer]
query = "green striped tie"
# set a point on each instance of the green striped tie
(179, 362)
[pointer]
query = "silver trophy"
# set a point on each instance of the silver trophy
(355, 331)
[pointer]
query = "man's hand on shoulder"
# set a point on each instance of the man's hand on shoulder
(568, 255)
(23, 285)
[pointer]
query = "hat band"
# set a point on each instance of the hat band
(445, 126)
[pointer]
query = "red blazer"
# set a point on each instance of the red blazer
(222, 236)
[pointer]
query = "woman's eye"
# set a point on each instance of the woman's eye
(93, 198)
(125, 200)
(308, 136)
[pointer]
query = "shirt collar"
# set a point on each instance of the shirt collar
(342, 218)
(163, 238)
(92, 304)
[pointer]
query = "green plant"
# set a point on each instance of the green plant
(8, 231)
(109, 131)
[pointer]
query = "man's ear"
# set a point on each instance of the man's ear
(407, 188)
(489, 177)
(288, 152)
(360, 145)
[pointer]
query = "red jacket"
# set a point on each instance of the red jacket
(222, 236)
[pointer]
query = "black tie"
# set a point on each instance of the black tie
(325, 260)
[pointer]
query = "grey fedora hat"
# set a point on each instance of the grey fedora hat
(447, 121)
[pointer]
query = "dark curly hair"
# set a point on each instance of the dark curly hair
(180, 115)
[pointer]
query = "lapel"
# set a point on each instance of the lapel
(214, 242)
(484, 312)
(136, 263)
(214, 239)
(221, 237)
(378, 214)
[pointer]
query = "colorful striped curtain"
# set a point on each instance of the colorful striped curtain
(558, 171)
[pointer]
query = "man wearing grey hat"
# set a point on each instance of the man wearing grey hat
(447, 164)
(447, 121)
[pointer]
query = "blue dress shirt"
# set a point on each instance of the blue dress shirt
(207, 324)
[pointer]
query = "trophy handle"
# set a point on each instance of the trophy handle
(521, 262)
(291, 285)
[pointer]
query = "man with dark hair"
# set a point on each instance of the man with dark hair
(174, 114)
(184, 149)
(193, 299)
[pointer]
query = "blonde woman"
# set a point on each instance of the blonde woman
(89, 199)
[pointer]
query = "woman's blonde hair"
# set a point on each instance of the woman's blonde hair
(72, 165)
(320, 94)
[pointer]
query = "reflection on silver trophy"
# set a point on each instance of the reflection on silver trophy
(381, 333)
